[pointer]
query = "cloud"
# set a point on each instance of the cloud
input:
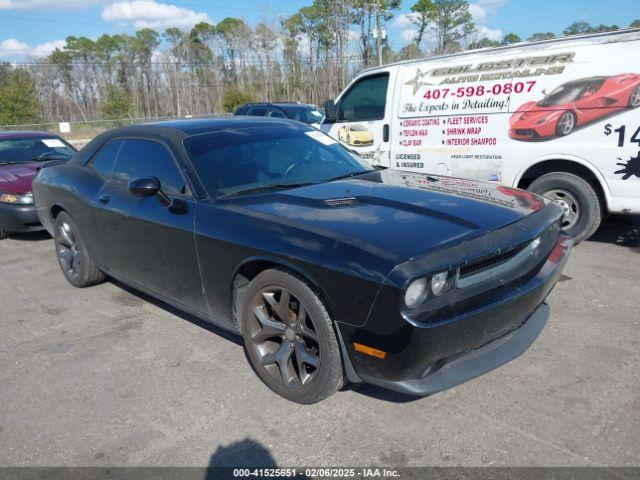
(406, 28)
(403, 21)
(408, 35)
(59, 4)
(490, 33)
(482, 9)
(45, 49)
(151, 14)
(13, 49)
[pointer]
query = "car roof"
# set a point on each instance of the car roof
(580, 81)
(176, 130)
(25, 134)
(277, 104)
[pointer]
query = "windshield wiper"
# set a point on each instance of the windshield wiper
(348, 175)
(266, 188)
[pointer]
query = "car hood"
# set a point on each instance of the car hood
(532, 112)
(402, 212)
(17, 177)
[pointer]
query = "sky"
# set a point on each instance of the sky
(34, 28)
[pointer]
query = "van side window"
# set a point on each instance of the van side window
(366, 100)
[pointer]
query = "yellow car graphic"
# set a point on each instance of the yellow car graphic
(355, 135)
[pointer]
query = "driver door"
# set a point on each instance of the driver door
(151, 245)
(363, 120)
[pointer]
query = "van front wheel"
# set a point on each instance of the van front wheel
(578, 199)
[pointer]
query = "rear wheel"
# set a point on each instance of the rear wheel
(289, 338)
(73, 257)
(578, 199)
(566, 124)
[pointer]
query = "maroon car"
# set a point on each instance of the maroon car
(22, 155)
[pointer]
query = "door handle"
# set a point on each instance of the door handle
(385, 132)
(104, 199)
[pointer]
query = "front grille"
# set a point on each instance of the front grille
(490, 262)
(527, 132)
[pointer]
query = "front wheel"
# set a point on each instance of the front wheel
(566, 124)
(73, 257)
(289, 338)
(578, 199)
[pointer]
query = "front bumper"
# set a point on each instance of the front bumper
(19, 218)
(424, 358)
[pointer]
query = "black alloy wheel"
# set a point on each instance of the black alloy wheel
(284, 337)
(67, 250)
(73, 257)
(289, 338)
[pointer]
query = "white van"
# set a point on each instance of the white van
(557, 117)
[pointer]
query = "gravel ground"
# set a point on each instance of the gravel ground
(105, 376)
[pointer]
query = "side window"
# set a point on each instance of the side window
(274, 112)
(258, 112)
(366, 100)
(103, 161)
(144, 158)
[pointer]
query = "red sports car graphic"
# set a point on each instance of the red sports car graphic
(573, 104)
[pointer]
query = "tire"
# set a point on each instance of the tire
(348, 139)
(3, 234)
(583, 218)
(566, 124)
(634, 98)
(73, 257)
(299, 360)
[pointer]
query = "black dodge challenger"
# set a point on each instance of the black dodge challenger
(330, 269)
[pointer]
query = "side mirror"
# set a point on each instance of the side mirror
(144, 187)
(148, 187)
(330, 111)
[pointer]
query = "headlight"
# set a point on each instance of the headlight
(416, 293)
(439, 283)
(17, 198)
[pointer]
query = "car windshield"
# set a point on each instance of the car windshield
(304, 114)
(567, 93)
(269, 157)
(34, 149)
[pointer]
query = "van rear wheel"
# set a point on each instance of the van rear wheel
(578, 199)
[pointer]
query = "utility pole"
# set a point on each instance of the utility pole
(378, 31)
